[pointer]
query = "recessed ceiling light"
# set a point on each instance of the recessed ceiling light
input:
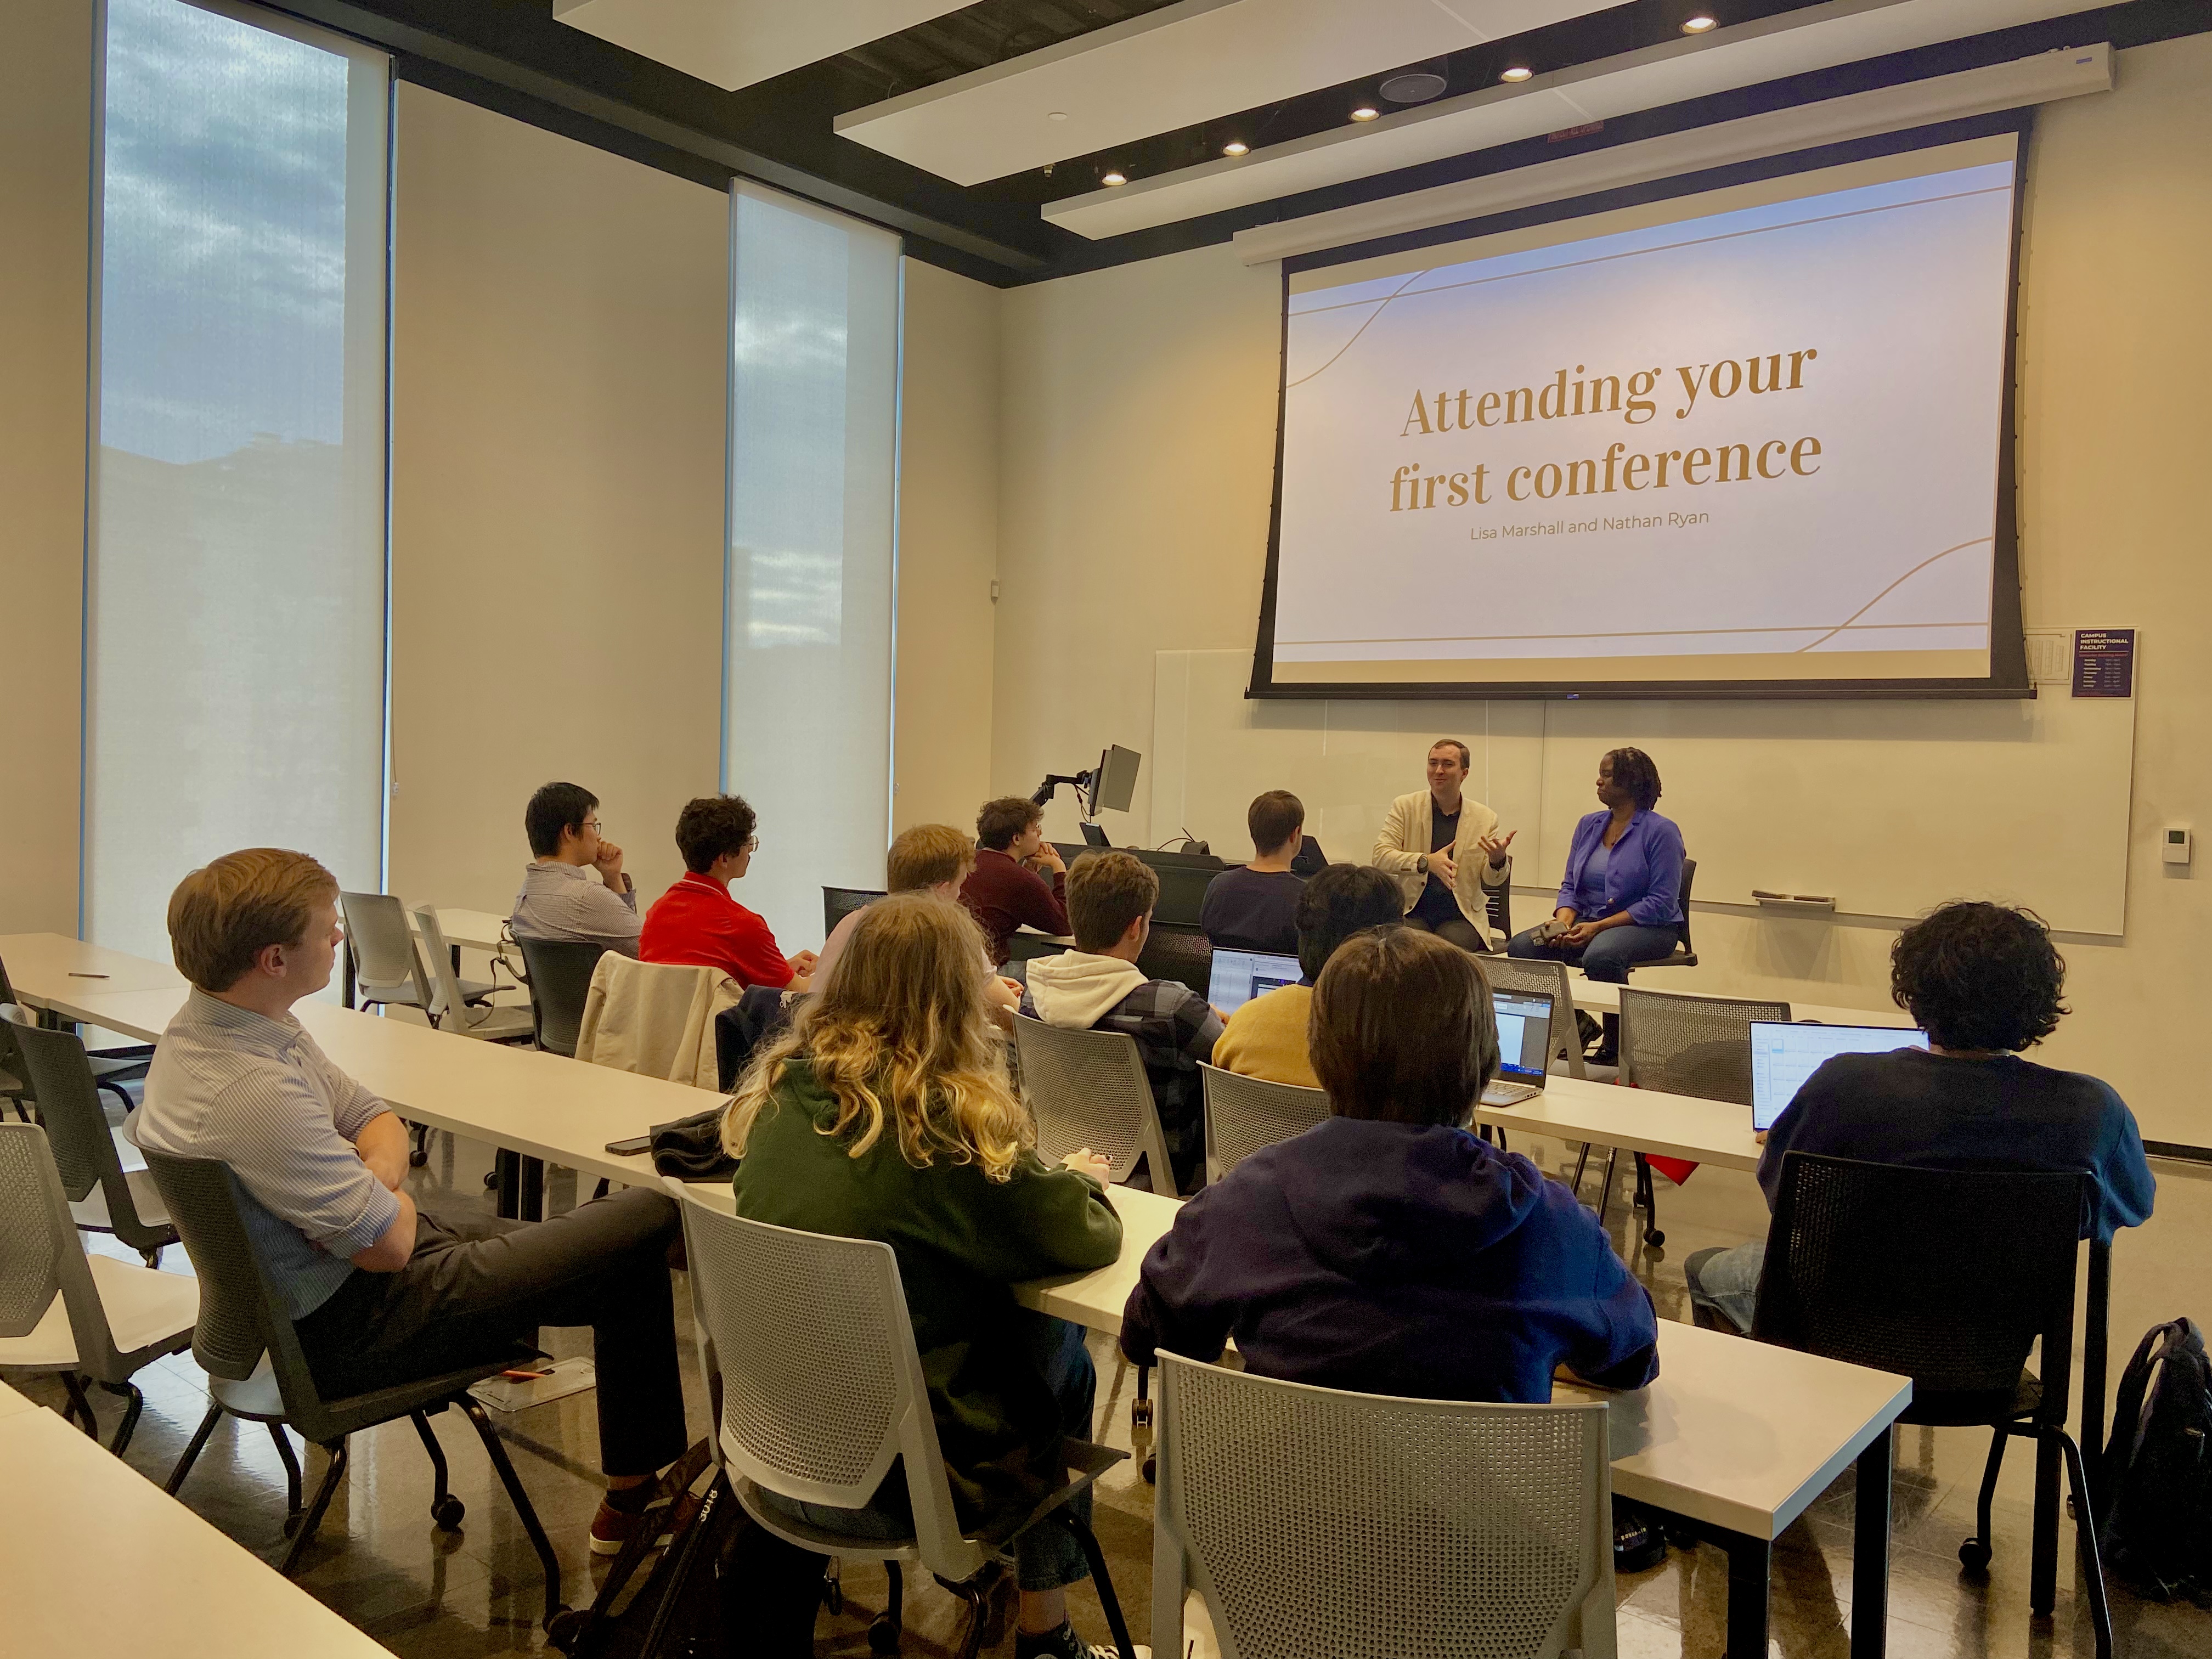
(1115, 178)
(1366, 112)
(1057, 115)
(1518, 72)
(1237, 147)
(1699, 22)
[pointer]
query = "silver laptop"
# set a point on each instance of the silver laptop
(1240, 976)
(1783, 1056)
(1524, 1046)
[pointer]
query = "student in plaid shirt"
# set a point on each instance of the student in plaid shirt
(1098, 987)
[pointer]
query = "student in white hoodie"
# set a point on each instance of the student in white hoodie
(1098, 987)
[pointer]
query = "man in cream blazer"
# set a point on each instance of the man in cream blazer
(1444, 849)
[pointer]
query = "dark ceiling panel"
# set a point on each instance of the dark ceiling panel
(511, 55)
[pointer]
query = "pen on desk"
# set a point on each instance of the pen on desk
(74, 973)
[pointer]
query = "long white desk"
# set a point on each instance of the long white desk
(105, 1562)
(540, 1105)
(1595, 996)
(55, 963)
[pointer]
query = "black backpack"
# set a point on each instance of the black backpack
(2157, 1467)
(725, 1587)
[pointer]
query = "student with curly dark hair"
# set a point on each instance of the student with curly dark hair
(1984, 981)
(698, 922)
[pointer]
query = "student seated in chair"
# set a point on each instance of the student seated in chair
(696, 922)
(934, 858)
(1254, 907)
(1098, 987)
(885, 1113)
(1267, 1037)
(1984, 981)
(559, 899)
(380, 1294)
(1390, 1250)
(1006, 891)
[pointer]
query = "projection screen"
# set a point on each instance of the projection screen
(1742, 442)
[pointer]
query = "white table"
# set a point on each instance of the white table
(11, 1402)
(1595, 996)
(472, 930)
(55, 960)
(540, 1105)
(104, 1561)
(1733, 1434)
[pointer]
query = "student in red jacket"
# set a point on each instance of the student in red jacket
(1006, 891)
(697, 923)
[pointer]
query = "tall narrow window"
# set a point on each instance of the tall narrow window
(236, 660)
(806, 721)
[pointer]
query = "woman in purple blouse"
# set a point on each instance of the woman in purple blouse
(1622, 896)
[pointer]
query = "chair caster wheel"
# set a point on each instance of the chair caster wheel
(1655, 1237)
(563, 1629)
(1974, 1555)
(883, 1634)
(448, 1512)
(418, 1157)
(833, 1595)
(292, 1523)
(1141, 1413)
(1152, 1468)
(491, 1177)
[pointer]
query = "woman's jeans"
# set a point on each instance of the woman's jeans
(1046, 1556)
(1608, 956)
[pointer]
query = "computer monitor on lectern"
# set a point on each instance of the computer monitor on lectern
(1114, 783)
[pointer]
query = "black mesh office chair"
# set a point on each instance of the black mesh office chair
(1180, 953)
(839, 903)
(1684, 955)
(1948, 1277)
(1499, 902)
(244, 1317)
(102, 1197)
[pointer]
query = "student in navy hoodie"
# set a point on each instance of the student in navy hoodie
(1390, 1250)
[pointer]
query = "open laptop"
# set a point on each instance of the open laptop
(1524, 1046)
(1240, 976)
(1783, 1056)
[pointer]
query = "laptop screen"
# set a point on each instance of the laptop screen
(1240, 976)
(1524, 1035)
(1783, 1056)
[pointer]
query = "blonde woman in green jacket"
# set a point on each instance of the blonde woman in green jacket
(885, 1113)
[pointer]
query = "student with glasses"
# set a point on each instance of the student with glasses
(696, 922)
(559, 899)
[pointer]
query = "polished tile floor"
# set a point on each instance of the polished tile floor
(380, 1562)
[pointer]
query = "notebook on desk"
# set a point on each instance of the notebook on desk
(1524, 1046)
(1783, 1056)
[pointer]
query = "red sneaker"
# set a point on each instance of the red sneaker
(611, 1528)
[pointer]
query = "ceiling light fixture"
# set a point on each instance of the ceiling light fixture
(1237, 147)
(1518, 72)
(1366, 112)
(1699, 22)
(1115, 178)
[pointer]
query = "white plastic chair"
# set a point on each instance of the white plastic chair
(450, 1009)
(822, 1390)
(1088, 1089)
(67, 1313)
(1318, 1524)
(1244, 1113)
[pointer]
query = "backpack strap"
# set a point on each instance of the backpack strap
(2134, 1384)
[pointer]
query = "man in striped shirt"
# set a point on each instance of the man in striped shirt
(378, 1293)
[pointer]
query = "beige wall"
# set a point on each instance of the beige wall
(1138, 456)
(558, 421)
(948, 547)
(45, 161)
(1138, 416)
